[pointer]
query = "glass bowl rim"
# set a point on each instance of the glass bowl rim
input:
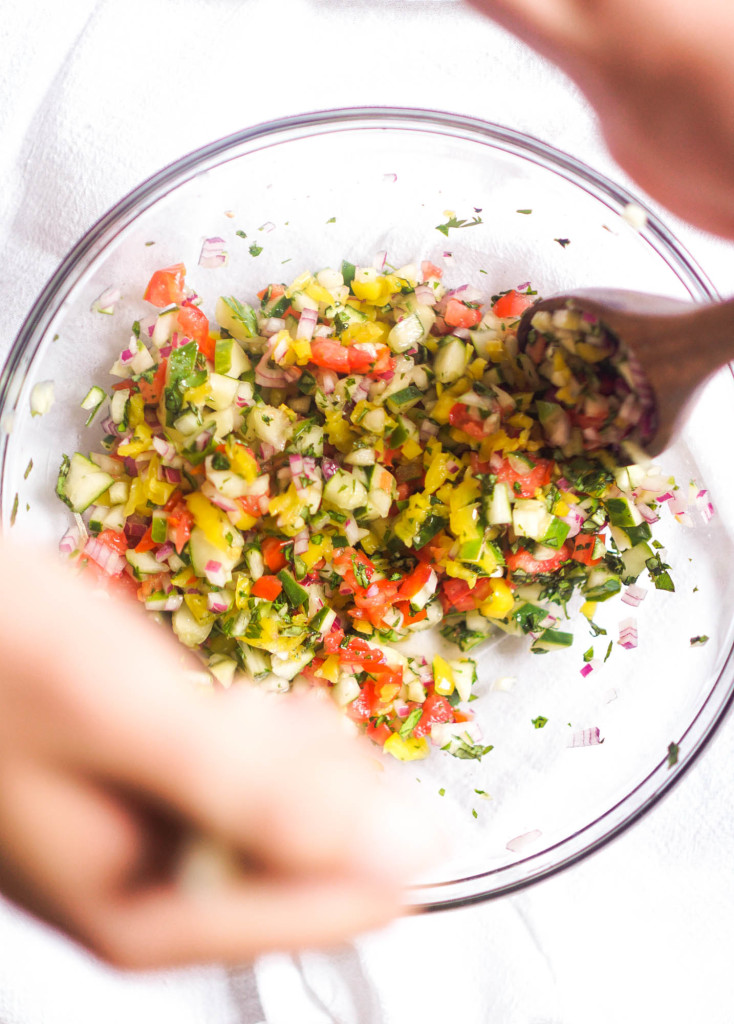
(594, 835)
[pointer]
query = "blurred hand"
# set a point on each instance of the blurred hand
(660, 75)
(110, 761)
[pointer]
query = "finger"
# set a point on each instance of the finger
(246, 919)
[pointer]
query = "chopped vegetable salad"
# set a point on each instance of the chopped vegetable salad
(304, 481)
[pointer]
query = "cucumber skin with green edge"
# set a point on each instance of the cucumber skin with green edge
(294, 592)
(81, 482)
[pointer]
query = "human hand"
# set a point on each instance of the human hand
(660, 77)
(110, 761)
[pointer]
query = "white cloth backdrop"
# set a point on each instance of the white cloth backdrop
(94, 96)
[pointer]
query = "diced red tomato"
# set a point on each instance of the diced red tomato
(525, 484)
(195, 325)
(362, 708)
(459, 595)
(273, 556)
(458, 314)
(583, 548)
(114, 540)
(415, 582)
(478, 466)
(429, 269)
(512, 303)
(345, 562)
(408, 618)
(152, 392)
(251, 505)
(376, 600)
(378, 733)
(146, 542)
(524, 561)
(167, 286)
(385, 362)
(267, 587)
(180, 524)
(460, 416)
(436, 709)
(151, 584)
(359, 360)
(330, 354)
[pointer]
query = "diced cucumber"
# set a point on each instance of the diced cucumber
(323, 620)
(164, 326)
(257, 662)
(623, 513)
(551, 640)
(202, 551)
(407, 333)
(404, 399)
(80, 482)
(601, 584)
(223, 669)
(92, 402)
(530, 518)
(499, 510)
(222, 391)
(344, 316)
(236, 317)
(119, 491)
(270, 425)
(229, 359)
(115, 519)
(294, 592)
(635, 559)
(345, 491)
(144, 563)
(308, 439)
(188, 629)
(188, 424)
(556, 533)
(118, 407)
(450, 361)
(345, 690)
(465, 675)
(289, 665)
(377, 505)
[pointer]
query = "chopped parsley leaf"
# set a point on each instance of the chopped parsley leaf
(28, 468)
(442, 792)
(673, 750)
(699, 641)
(454, 222)
(474, 813)
(563, 242)
(539, 722)
(523, 211)
(255, 249)
(588, 655)
(241, 234)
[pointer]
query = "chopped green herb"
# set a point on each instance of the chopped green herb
(523, 211)
(14, 511)
(474, 813)
(673, 750)
(150, 243)
(699, 641)
(482, 792)
(539, 722)
(453, 222)
(410, 723)
(609, 649)
(241, 234)
(331, 220)
(563, 242)
(442, 792)
(596, 630)
(255, 249)
(588, 655)
(28, 468)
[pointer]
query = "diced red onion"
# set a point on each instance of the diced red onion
(165, 449)
(467, 293)
(215, 574)
(131, 466)
(267, 377)
(307, 323)
(585, 738)
(218, 601)
(664, 497)
(428, 429)
(328, 468)
(678, 503)
(126, 355)
(402, 709)
(267, 451)
(461, 332)
(352, 532)
(109, 426)
(521, 842)
(105, 303)
(575, 517)
(69, 542)
(327, 380)
(588, 668)
(213, 253)
(379, 261)
(220, 500)
(647, 513)
(628, 633)
(171, 475)
(164, 551)
(111, 561)
(135, 528)
(390, 178)
(202, 440)
(634, 595)
(300, 542)
(272, 325)
(425, 295)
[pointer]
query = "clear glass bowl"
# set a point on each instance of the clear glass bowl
(308, 191)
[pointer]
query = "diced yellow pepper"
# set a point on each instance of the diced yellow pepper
(301, 348)
(318, 293)
(242, 461)
(140, 442)
(213, 523)
(363, 626)
(330, 669)
(370, 332)
(136, 410)
(588, 608)
(339, 432)
(197, 396)
(196, 604)
(410, 749)
(287, 507)
(460, 572)
(443, 676)
(465, 493)
(477, 368)
(411, 449)
(242, 590)
(500, 603)
(299, 284)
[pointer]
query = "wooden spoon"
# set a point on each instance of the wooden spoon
(677, 345)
